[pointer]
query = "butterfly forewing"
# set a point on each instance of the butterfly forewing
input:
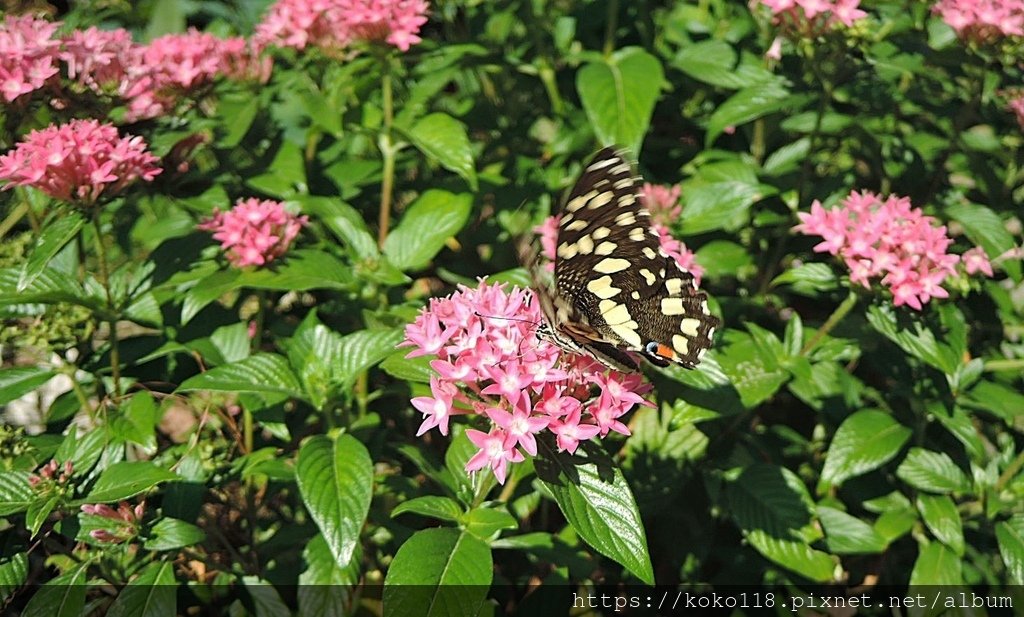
(614, 285)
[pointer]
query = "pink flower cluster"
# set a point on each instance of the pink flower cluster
(890, 240)
(807, 16)
(662, 201)
(254, 232)
(27, 55)
(49, 473)
(78, 162)
(334, 24)
(677, 250)
(121, 524)
(99, 60)
(1017, 107)
(982, 20)
(175, 65)
(489, 362)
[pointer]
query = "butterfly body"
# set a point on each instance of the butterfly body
(616, 292)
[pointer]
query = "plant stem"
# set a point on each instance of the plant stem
(247, 429)
(611, 25)
(12, 219)
(257, 337)
(833, 320)
(115, 354)
(1010, 472)
(387, 151)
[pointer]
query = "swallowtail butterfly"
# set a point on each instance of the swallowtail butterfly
(615, 290)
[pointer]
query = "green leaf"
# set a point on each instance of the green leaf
(266, 601)
(618, 93)
(444, 139)
(345, 222)
(754, 372)
(151, 594)
(772, 509)
(986, 229)
(808, 278)
(718, 205)
(408, 369)
(714, 62)
(50, 287)
(848, 535)
(263, 372)
(914, 338)
(932, 471)
(62, 596)
(746, 105)
(429, 222)
(487, 522)
(597, 502)
(443, 508)
(936, 564)
(336, 483)
(17, 381)
(325, 587)
(1010, 535)
(13, 573)
(127, 479)
(38, 511)
(363, 349)
(170, 533)
(943, 519)
(437, 573)
(864, 441)
(51, 240)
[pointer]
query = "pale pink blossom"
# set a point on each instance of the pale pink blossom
(889, 241)
(983, 20)
(255, 232)
(28, 54)
(662, 201)
(78, 162)
(100, 60)
(1017, 107)
(333, 25)
(490, 364)
(810, 17)
(975, 260)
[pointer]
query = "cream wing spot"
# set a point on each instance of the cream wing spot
(673, 306)
(576, 225)
(605, 248)
(649, 253)
(625, 183)
(635, 295)
(674, 287)
(611, 265)
(602, 288)
(636, 234)
(601, 233)
(648, 276)
(680, 344)
(602, 164)
(627, 200)
(585, 245)
(567, 251)
(626, 219)
(628, 334)
(601, 199)
(614, 314)
(577, 202)
(689, 326)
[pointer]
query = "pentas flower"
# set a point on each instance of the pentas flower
(100, 60)
(255, 232)
(890, 241)
(982, 20)
(334, 24)
(78, 162)
(813, 16)
(1017, 107)
(677, 250)
(28, 54)
(490, 363)
(662, 201)
(177, 65)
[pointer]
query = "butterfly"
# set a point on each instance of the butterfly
(615, 291)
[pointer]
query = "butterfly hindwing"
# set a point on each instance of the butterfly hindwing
(615, 288)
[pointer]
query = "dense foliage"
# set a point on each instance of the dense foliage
(232, 358)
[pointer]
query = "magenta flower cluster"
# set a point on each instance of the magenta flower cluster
(122, 524)
(490, 363)
(255, 232)
(891, 241)
(78, 162)
(982, 20)
(814, 15)
(335, 24)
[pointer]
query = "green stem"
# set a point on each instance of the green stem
(12, 219)
(362, 392)
(611, 25)
(76, 387)
(387, 151)
(547, 78)
(1010, 472)
(115, 354)
(247, 429)
(833, 320)
(261, 312)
